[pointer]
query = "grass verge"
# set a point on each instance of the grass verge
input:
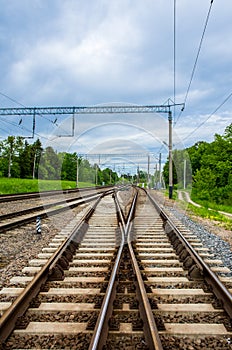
(212, 205)
(11, 185)
(213, 215)
(206, 212)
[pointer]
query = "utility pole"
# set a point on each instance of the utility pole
(34, 163)
(96, 174)
(160, 171)
(170, 155)
(185, 174)
(148, 171)
(9, 164)
(97, 167)
(155, 178)
(77, 177)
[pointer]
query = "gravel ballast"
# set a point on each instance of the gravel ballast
(214, 237)
(19, 246)
(216, 245)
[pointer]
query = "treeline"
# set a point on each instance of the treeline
(19, 159)
(208, 166)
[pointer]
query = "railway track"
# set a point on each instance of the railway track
(43, 194)
(182, 284)
(122, 280)
(21, 217)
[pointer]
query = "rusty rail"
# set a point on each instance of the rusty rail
(21, 303)
(199, 267)
(101, 328)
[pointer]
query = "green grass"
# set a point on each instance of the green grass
(11, 185)
(207, 211)
(174, 194)
(212, 205)
(212, 215)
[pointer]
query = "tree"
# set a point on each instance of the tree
(211, 168)
(11, 147)
(26, 161)
(195, 154)
(36, 152)
(228, 132)
(69, 166)
(106, 175)
(204, 183)
(50, 165)
(21, 159)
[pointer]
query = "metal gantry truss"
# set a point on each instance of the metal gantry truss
(87, 110)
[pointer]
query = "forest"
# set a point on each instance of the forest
(207, 167)
(19, 159)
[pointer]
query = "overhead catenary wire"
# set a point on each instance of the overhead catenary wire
(196, 60)
(11, 99)
(22, 105)
(6, 131)
(20, 122)
(23, 128)
(9, 123)
(213, 113)
(174, 56)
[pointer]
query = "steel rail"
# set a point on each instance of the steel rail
(21, 303)
(20, 222)
(100, 331)
(45, 206)
(218, 288)
(131, 214)
(150, 329)
(120, 214)
(28, 195)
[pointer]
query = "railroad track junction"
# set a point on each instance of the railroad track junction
(121, 275)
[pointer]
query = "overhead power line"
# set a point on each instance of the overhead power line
(23, 128)
(197, 57)
(174, 55)
(213, 113)
(22, 105)
(198, 52)
(42, 116)
(11, 99)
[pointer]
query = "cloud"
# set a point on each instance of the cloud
(84, 53)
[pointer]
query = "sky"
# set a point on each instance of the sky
(101, 52)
